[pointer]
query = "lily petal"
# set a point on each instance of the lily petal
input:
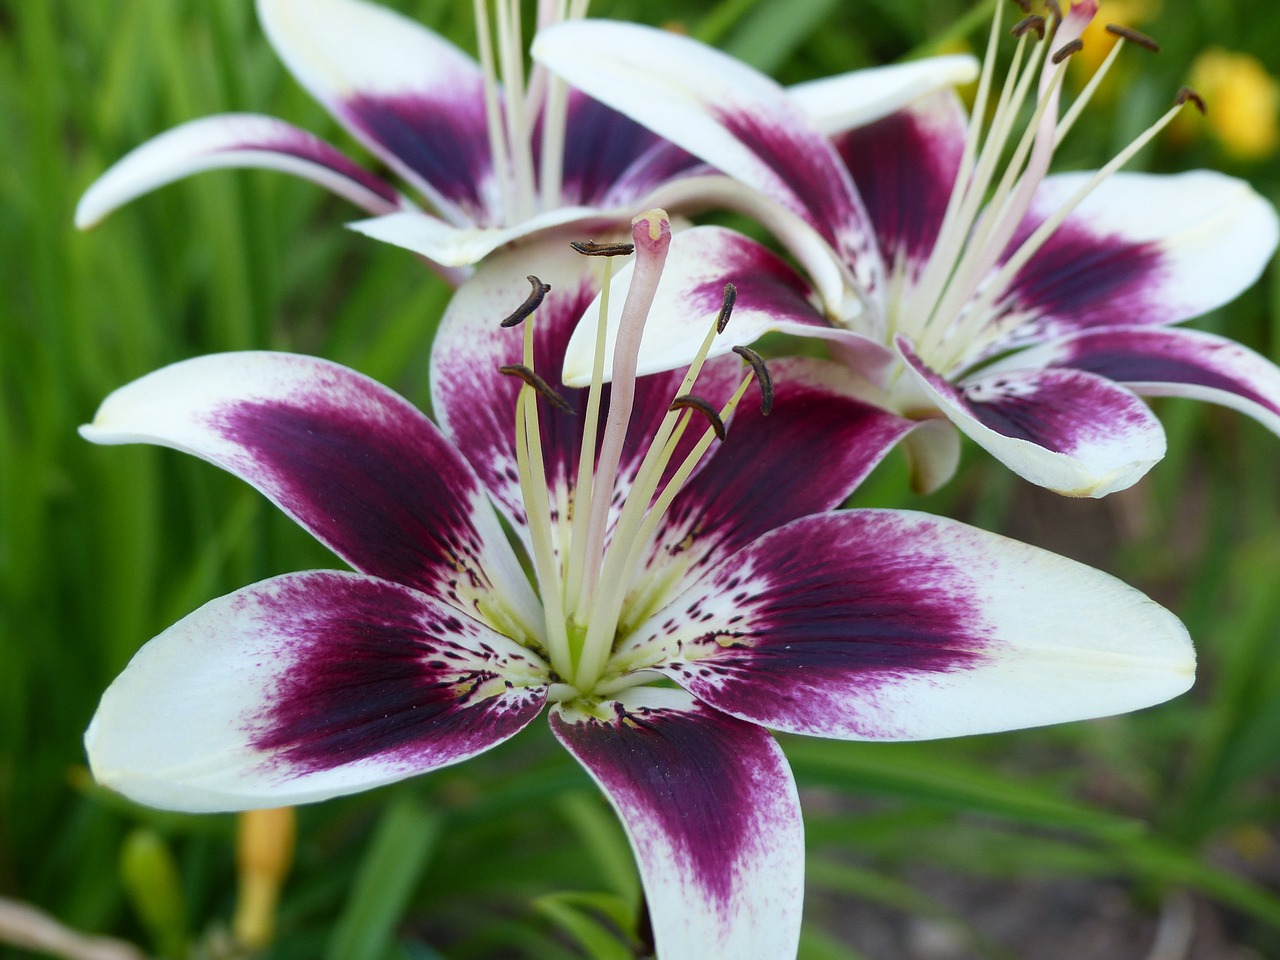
(342, 455)
(1140, 249)
(711, 810)
(724, 112)
(1171, 362)
(751, 484)
(875, 624)
(233, 140)
(605, 144)
(411, 97)
(771, 297)
(1079, 434)
(475, 403)
(904, 166)
(848, 100)
(304, 687)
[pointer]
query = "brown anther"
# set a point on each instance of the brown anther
(1023, 5)
(532, 303)
(762, 377)
(1034, 22)
(1054, 7)
(532, 379)
(1186, 93)
(690, 402)
(726, 306)
(1066, 50)
(1133, 36)
(589, 248)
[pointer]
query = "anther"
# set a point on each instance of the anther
(589, 248)
(1054, 7)
(762, 377)
(1034, 22)
(1023, 5)
(532, 379)
(532, 303)
(726, 307)
(1186, 93)
(690, 402)
(1133, 36)
(1066, 50)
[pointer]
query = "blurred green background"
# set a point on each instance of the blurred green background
(1089, 840)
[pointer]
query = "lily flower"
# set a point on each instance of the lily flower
(496, 156)
(685, 595)
(950, 268)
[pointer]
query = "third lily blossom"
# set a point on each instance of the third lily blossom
(943, 262)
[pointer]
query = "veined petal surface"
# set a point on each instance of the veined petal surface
(771, 297)
(721, 110)
(233, 140)
(849, 100)
(1070, 431)
(304, 687)
(891, 625)
(353, 462)
(415, 100)
(1140, 249)
(1171, 361)
(711, 810)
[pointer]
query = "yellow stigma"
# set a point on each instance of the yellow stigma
(655, 218)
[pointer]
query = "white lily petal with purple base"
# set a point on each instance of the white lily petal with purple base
(1067, 430)
(720, 110)
(320, 684)
(889, 625)
(1141, 249)
(711, 810)
(415, 100)
(234, 140)
(1171, 362)
(361, 492)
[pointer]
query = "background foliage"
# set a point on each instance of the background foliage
(515, 855)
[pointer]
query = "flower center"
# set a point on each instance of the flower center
(954, 311)
(584, 588)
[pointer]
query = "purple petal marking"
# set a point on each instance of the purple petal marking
(822, 610)
(660, 164)
(1081, 279)
(471, 346)
(233, 140)
(375, 671)
(1174, 362)
(904, 167)
(308, 686)
(710, 808)
(871, 624)
(441, 139)
(751, 484)
(601, 145)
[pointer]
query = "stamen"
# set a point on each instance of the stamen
(589, 248)
(1066, 50)
(691, 402)
(1186, 93)
(1054, 7)
(532, 379)
(726, 307)
(498, 147)
(532, 303)
(1128, 33)
(763, 378)
(1034, 22)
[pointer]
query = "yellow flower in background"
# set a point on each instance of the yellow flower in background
(1243, 99)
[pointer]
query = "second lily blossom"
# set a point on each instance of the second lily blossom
(1029, 309)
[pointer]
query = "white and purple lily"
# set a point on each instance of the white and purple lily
(684, 598)
(1030, 309)
(497, 156)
